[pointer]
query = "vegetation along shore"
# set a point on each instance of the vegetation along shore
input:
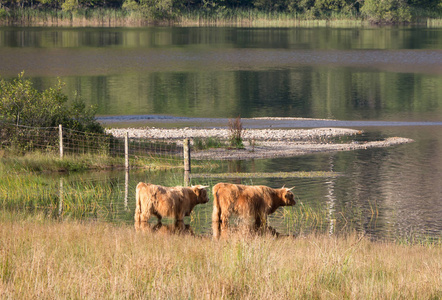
(258, 13)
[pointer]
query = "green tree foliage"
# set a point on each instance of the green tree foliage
(426, 4)
(152, 9)
(386, 11)
(22, 104)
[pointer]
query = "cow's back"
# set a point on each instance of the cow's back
(168, 201)
(225, 193)
(238, 198)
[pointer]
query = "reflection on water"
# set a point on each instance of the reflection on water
(347, 74)
(177, 228)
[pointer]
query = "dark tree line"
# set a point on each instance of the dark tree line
(273, 5)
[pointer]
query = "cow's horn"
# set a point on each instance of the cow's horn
(290, 189)
(201, 186)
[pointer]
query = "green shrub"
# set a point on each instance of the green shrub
(22, 104)
(386, 11)
(131, 5)
(3, 13)
(152, 10)
(70, 6)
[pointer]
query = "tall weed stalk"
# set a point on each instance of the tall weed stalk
(236, 132)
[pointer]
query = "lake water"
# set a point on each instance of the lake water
(386, 81)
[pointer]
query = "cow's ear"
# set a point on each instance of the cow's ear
(195, 189)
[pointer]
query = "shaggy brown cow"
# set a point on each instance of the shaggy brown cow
(253, 203)
(175, 202)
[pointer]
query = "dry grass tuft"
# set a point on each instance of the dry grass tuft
(40, 258)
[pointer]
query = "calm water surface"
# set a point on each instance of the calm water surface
(370, 76)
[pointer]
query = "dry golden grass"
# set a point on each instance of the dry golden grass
(45, 259)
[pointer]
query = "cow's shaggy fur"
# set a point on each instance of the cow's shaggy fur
(253, 203)
(175, 202)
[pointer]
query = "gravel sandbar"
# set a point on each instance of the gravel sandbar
(264, 143)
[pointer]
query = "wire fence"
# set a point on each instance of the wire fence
(63, 141)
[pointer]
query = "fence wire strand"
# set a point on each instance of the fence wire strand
(22, 139)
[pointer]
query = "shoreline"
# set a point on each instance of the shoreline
(264, 143)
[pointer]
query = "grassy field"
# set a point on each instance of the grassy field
(46, 259)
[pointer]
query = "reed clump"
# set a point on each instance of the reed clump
(43, 258)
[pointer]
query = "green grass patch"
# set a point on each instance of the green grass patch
(208, 143)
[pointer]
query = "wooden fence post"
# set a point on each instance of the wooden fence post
(126, 150)
(60, 137)
(187, 163)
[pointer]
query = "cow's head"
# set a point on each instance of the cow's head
(288, 197)
(201, 193)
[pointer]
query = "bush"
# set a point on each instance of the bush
(386, 11)
(3, 13)
(22, 104)
(152, 10)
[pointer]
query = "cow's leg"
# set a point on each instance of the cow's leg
(216, 230)
(179, 217)
(179, 226)
(146, 211)
(137, 214)
(224, 220)
(138, 205)
(145, 215)
(156, 214)
(216, 214)
(261, 220)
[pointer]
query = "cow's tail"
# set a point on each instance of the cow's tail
(138, 203)
(216, 215)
